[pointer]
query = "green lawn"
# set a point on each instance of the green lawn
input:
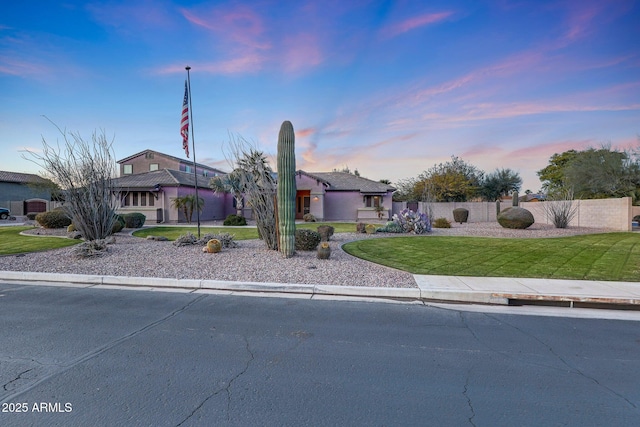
(241, 233)
(610, 256)
(11, 242)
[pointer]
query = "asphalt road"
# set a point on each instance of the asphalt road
(78, 357)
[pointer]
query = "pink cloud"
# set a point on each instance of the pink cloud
(303, 133)
(240, 65)
(302, 51)
(18, 67)
(413, 23)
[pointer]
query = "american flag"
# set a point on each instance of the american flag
(184, 123)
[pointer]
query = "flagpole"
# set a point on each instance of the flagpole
(193, 143)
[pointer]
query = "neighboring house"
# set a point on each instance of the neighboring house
(24, 193)
(341, 196)
(152, 193)
(149, 161)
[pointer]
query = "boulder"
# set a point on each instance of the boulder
(515, 217)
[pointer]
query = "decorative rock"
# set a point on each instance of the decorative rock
(157, 238)
(516, 217)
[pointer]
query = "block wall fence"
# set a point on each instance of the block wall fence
(615, 214)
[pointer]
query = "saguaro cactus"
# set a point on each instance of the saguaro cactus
(286, 189)
(514, 198)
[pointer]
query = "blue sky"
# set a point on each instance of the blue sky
(386, 87)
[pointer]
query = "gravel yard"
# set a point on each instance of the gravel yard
(250, 261)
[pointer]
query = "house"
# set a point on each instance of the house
(152, 193)
(24, 193)
(149, 161)
(150, 180)
(341, 196)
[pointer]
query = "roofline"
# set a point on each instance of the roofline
(171, 157)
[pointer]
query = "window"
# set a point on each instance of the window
(373, 201)
(187, 168)
(127, 169)
(153, 167)
(125, 200)
(143, 199)
(152, 199)
(135, 199)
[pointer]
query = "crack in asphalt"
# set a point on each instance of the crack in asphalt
(226, 389)
(569, 365)
(19, 377)
(98, 351)
(466, 395)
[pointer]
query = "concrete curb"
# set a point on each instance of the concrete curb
(216, 285)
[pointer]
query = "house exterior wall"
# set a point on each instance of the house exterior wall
(13, 195)
(615, 214)
(141, 163)
(350, 206)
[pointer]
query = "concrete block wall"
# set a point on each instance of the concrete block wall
(615, 214)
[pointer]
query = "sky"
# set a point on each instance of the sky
(389, 88)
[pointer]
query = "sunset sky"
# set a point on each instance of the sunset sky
(389, 88)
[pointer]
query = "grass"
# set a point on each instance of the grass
(609, 256)
(11, 242)
(241, 233)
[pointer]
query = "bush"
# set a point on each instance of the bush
(361, 227)
(636, 218)
(309, 218)
(459, 215)
(225, 238)
(118, 224)
(235, 220)
(32, 216)
(307, 240)
(186, 240)
(326, 231)
(391, 227)
(441, 223)
(134, 220)
(413, 222)
(53, 219)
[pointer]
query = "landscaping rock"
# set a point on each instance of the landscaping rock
(516, 218)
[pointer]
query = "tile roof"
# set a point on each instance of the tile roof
(22, 178)
(343, 181)
(164, 177)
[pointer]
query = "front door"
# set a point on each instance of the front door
(303, 203)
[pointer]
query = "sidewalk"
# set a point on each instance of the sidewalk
(470, 290)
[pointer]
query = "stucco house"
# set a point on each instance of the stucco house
(341, 196)
(150, 180)
(24, 193)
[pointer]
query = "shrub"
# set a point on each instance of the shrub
(636, 218)
(93, 248)
(309, 218)
(307, 240)
(53, 219)
(441, 223)
(460, 215)
(225, 238)
(235, 220)
(32, 216)
(134, 220)
(117, 227)
(370, 229)
(360, 227)
(391, 227)
(413, 222)
(326, 231)
(186, 240)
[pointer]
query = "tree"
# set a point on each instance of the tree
(188, 204)
(229, 183)
(257, 183)
(593, 173)
(453, 181)
(500, 183)
(553, 176)
(83, 170)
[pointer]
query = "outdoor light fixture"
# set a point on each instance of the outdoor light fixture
(315, 198)
(156, 190)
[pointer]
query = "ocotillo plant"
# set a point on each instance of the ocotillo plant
(286, 190)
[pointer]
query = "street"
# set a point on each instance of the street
(108, 357)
